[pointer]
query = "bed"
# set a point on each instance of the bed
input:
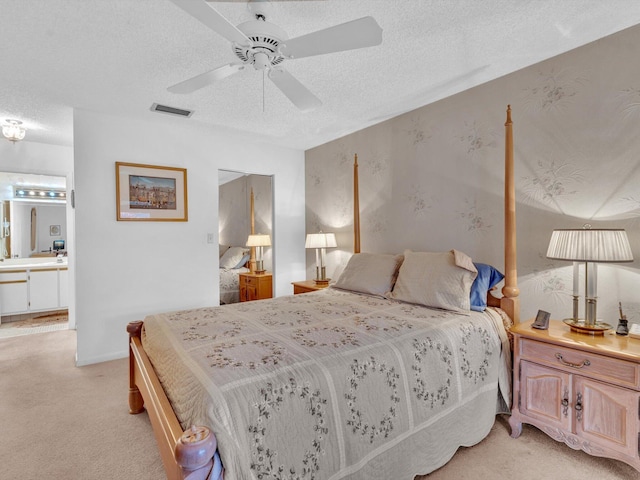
(233, 261)
(362, 380)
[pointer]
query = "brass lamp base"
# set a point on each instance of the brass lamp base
(581, 327)
(321, 282)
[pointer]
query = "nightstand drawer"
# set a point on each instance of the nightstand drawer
(608, 369)
(253, 281)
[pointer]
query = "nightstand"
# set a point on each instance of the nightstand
(255, 286)
(306, 286)
(579, 389)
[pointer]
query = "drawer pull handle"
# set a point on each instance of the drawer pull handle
(585, 363)
(578, 407)
(565, 402)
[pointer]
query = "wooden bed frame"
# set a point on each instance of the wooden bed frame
(189, 454)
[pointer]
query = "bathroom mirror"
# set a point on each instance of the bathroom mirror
(33, 213)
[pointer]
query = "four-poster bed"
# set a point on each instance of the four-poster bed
(350, 374)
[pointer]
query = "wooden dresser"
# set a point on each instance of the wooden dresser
(579, 389)
(306, 286)
(255, 286)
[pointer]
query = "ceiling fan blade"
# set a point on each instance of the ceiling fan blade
(200, 10)
(207, 78)
(364, 32)
(295, 91)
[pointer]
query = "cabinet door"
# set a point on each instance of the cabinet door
(264, 288)
(43, 289)
(244, 294)
(14, 296)
(607, 415)
(252, 293)
(63, 286)
(545, 394)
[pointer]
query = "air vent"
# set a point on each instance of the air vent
(156, 107)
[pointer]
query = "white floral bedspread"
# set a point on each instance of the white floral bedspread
(230, 285)
(331, 384)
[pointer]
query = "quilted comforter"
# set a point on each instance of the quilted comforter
(332, 384)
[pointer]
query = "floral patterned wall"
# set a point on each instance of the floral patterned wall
(432, 179)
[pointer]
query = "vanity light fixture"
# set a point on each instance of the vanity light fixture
(259, 241)
(39, 193)
(591, 246)
(13, 130)
(321, 241)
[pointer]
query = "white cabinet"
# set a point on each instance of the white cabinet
(43, 289)
(24, 290)
(14, 294)
(63, 287)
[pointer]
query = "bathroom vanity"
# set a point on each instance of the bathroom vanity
(33, 285)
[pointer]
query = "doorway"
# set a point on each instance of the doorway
(34, 233)
(245, 207)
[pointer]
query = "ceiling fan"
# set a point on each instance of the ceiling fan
(266, 47)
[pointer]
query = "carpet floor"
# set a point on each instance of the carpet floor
(59, 421)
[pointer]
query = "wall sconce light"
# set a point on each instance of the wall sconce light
(591, 246)
(321, 241)
(259, 241)
(13, 130)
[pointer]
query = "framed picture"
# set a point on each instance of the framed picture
(151, 193)
(54, 230)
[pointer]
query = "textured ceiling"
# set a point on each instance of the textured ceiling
(119, 57)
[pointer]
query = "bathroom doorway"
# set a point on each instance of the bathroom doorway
(34, 279)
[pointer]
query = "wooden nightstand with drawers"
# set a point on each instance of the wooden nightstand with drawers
(307, 286)
(580, 389)
(255, 286)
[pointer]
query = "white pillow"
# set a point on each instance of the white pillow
(372, 273)
(436, 279)
(232, 257)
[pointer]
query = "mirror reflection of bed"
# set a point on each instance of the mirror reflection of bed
(236, 223)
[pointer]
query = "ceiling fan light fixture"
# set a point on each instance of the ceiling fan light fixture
(13, 130)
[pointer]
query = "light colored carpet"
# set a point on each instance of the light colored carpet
(58, 421)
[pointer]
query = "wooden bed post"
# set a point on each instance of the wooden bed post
(356, 208)
(510, 302)
(136, 402)
(252, 250)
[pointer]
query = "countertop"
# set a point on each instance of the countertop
(33, 263)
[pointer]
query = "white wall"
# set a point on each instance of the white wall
(127, 270)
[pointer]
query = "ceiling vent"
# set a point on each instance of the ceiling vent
(156, 107)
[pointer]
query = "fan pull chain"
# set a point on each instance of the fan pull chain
(262, 91)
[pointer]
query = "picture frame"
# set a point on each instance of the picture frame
(54, 230)
(542, 320)
(151, 193)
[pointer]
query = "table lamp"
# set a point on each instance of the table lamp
(259, 241)
(321, 241)
(591, 246)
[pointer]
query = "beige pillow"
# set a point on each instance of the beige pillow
(372, 273)
(435, 279)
